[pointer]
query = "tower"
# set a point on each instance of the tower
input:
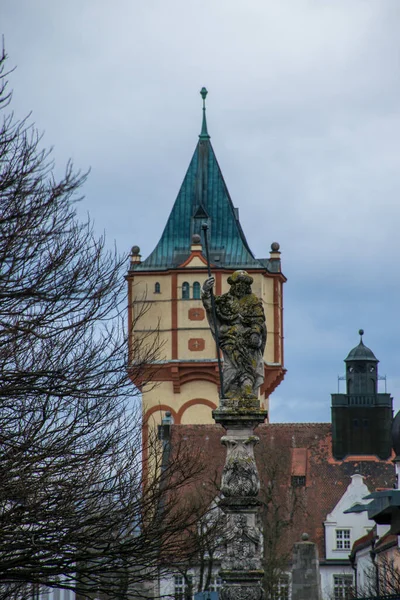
(169, 282)
(361, 418)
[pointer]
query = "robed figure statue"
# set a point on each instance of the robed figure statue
(242, 334)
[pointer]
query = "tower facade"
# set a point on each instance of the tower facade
(361, 418)
(168, 282)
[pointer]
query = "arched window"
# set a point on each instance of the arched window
(157, 288)
(185, 291)
(349, 386)
(196, 290)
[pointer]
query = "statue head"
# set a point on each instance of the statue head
(240, 282)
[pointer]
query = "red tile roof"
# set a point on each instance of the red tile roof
(364, 541)
(283, 450)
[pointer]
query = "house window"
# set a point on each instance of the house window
(342, 539)
(298, 480)
(181, 586)
(215, 584)
(185, 291)
(157, 288)
(196, 290)
(282, 588)
(342, 586)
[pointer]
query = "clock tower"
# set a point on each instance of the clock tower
(361, 418)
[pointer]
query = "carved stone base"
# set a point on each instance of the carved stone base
(237, 591)
(242, 585)
(241, 562)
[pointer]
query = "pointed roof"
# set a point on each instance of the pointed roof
(203, 197)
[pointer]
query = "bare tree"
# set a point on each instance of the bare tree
(73, 512)
(281, 507)
(381, 578)
(200, 549)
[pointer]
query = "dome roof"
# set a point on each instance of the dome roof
(361, 352)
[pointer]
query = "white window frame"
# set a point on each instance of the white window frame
(342, 585)
(283, 591)
(343, 539)
(180, 586)
(215, 583)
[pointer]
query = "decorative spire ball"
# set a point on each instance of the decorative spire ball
(361, 332)
(204, 133)
(196, 239)
(203, 93)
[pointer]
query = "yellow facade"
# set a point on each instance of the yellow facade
(187, 379)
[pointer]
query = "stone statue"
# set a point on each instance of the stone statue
(242, 335)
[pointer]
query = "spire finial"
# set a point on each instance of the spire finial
(204, 133)
(361, 333)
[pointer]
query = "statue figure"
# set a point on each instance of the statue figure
(242, 335)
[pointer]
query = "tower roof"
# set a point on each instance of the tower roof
(203, 197)
(361, 352)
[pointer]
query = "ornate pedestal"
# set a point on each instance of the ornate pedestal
(241, 565)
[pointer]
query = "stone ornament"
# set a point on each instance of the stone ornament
(240, 475)
(242, 334)
(242, 545)
(242, 592)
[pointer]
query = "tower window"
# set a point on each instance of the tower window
(157, 288)
(196, 290)
(185, 291)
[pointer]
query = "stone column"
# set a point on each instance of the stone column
(241, 564)
(237, 322)
(306, 581)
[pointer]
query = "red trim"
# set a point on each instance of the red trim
(194, 254)
(196, 344)
(281, 325)
(196, 314)
(185, 372)
(276, 322)
(273, 376)
(193, 402)
(130, 322)
(145, 435)
(158, 408)
(214, 268)
(174, 316)
(218, 283)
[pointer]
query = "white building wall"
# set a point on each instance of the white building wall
(167, 581)
(357, 523)
(327, 573)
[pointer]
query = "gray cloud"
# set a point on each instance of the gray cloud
(304, 116)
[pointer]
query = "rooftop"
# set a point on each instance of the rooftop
(203, 198)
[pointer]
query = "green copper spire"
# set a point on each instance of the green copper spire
(204, 133)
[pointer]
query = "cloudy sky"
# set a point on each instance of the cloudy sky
(304, 114)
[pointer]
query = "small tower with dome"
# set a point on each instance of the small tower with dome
(362, 417)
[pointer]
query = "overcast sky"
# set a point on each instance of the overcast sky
(304, 116)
